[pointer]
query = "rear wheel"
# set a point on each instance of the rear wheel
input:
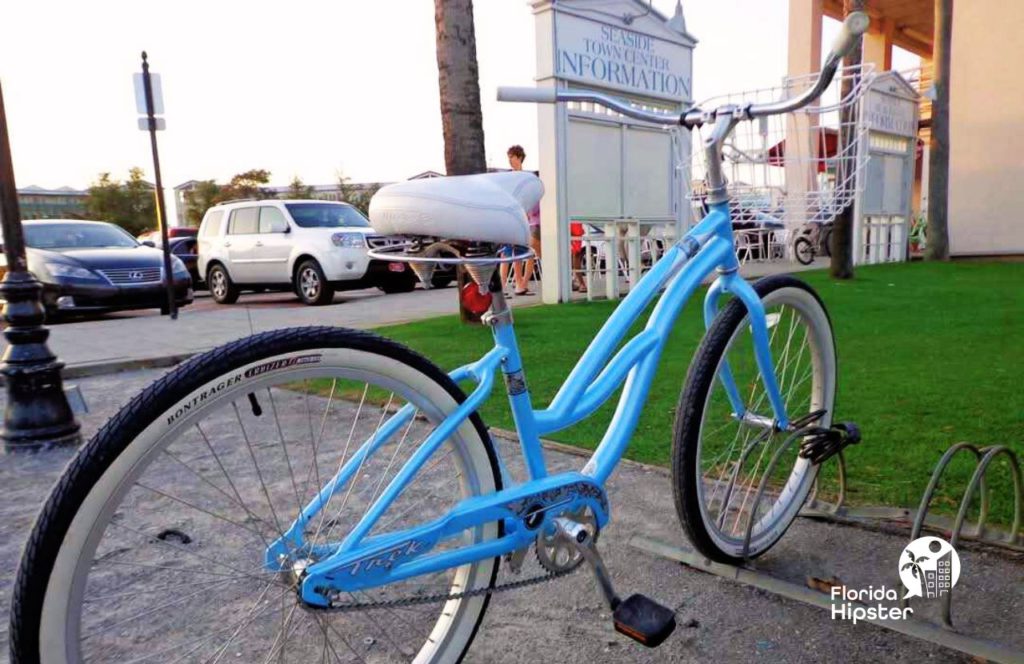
(739, 485)
(399, 282)
(151, 547)
(311, 285)
(803, 251)
(222, 289)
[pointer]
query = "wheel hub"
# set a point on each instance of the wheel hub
(310, 283)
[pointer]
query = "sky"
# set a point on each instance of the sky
(307, 88)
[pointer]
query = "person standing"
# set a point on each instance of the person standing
(523, 270)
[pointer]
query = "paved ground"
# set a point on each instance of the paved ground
(565, 621)
(205, 324)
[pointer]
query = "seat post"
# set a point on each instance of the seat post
(499, 319)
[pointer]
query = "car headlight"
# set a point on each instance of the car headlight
(71, 272)
(177, 266)
(349, 240)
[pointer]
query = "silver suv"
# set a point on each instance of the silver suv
(311, 247)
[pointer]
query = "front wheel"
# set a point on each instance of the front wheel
(311, 285)
(152, 545)
(738, 485)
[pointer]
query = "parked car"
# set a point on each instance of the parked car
(172, 232)
(186, 248)
(93, 266)
(313, 248)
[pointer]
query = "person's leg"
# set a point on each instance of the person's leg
(578, 282)
(528, 264)
(521, 277)
(535, 245)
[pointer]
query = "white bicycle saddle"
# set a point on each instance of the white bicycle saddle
(489, 207)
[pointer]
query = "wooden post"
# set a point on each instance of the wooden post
(937, 239)
(841, 265)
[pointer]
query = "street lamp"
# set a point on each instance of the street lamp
(38, 414)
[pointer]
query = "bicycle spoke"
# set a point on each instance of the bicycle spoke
(738, 458)
(256, 466)
(178, 571)
(197, 508)
(284, 450)
(227, 476)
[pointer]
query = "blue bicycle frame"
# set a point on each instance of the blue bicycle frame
(522, 511)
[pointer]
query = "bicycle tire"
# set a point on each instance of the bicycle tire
(50, 554)
(694, 406)
(803, 251)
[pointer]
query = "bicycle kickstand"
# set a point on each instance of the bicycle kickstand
(638, 617)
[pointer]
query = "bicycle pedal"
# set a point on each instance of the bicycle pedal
(644, 620)
(822, 444)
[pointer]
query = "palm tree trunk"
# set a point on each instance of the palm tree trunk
(458, 76)
(841, 266)
(937, 247)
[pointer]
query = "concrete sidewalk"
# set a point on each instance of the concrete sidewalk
(719, 620)
(144, 340)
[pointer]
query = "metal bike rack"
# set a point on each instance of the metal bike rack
(919, 518)
(955, 529)
(984, 456)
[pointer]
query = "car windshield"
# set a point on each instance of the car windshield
(326, 215)
(76, 236)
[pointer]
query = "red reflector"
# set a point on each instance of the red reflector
(473, 301)
(396, 267)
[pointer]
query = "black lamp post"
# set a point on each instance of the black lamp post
(38, 414)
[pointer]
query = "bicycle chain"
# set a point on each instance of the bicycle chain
(442, 597)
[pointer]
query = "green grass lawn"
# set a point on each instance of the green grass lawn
(929, 355)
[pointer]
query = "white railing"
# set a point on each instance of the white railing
(612, 254)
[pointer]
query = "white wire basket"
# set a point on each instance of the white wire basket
(787, 171)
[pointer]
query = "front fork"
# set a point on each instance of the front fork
(730, 282)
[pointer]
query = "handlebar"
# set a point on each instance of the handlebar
(853, 27)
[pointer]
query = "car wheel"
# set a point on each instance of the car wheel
(400, 283)
(444, 274)
(222, 289)
(311, 285)
(51, 315)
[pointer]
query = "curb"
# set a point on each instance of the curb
(105, 367)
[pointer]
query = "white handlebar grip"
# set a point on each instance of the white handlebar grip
(854, 26)
(534, 95)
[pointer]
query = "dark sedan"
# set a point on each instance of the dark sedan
(93, 266)
(186, 248)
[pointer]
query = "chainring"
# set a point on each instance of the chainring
(558, 556)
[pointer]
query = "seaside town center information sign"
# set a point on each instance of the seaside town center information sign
(612, 172)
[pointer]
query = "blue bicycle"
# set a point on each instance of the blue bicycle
(322, 494)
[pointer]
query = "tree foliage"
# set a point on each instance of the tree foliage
(253, 184)
(207, 193)
(357, 196)
(130, 204)
(203, 196)
(298, 189)
(249, 184)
